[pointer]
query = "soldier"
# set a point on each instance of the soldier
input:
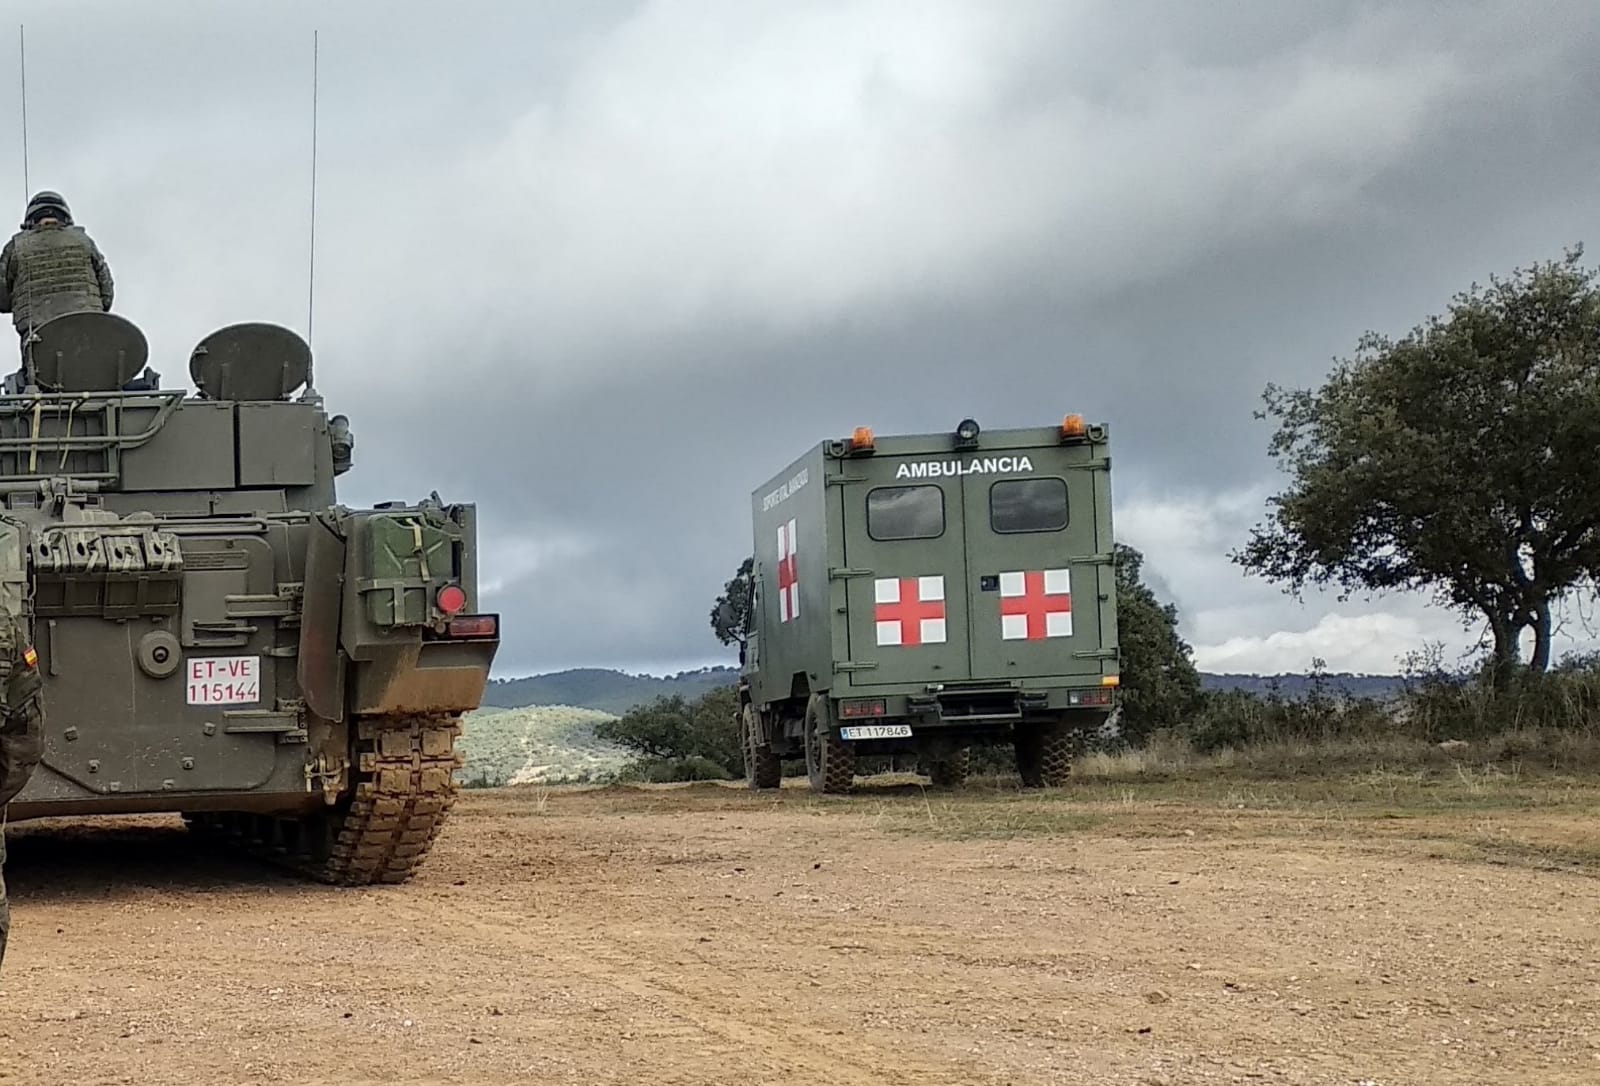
(21, 742)
(51, 267)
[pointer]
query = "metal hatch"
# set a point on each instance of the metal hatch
(906, 548)
(1034, 563)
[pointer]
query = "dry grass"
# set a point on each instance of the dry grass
(1526, 799)
(1167, 757)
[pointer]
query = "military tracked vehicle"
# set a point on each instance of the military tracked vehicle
(217, 636)
(925, 593)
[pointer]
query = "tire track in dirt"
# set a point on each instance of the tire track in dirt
(615, 962)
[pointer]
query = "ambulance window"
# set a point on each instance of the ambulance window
(1028, 505)
(905, 512)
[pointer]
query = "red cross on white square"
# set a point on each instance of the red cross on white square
(910, 610)
(1035, 605)
(788, 575)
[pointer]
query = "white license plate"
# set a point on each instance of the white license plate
(224, 680)
(875, 731)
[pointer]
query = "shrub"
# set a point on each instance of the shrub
(674, 770)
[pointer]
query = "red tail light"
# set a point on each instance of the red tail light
(451, 599)
(474, 626)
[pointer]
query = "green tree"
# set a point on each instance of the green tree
(730, 614)
(1160, 686)
(1459, 459)
(660, 729)
(670, 729)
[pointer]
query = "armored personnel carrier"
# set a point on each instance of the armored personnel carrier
(217, 636)
(925, 593)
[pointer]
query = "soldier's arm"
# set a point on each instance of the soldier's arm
(21, 747)
(102, 271)
(21, 731)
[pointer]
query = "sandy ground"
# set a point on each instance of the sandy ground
(712, 936)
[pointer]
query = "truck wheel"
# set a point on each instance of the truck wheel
(1058, 744)
(762, 768)
(1029, 750)
(830, 763)
(950, 772)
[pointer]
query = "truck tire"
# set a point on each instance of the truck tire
(1029, 750)
(762, 768)
(950, 772)
(1044, 754)
(830, 763)
(1057, 748)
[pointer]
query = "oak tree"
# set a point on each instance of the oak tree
(1462, 459)
(1160, 686)
(730, 614)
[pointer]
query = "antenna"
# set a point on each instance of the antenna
(30, 379)
(22, 56)
(311, 271)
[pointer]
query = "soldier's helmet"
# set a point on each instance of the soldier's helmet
(43, 203)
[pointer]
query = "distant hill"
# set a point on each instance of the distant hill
(546, 744)
(1293, 686)
(608, 691)
(616, 692)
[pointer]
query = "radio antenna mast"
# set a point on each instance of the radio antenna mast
(22, 57)
(29, 378)
(311, 272)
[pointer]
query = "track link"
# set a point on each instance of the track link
(404, 787)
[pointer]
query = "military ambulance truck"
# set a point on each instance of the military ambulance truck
(925, 593)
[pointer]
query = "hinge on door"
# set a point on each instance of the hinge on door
(1101, 559)
(210, 635)
(1096, 654)
(280, 604)
(842, 480)
(851, 665)
(286, 725)
(842, 573)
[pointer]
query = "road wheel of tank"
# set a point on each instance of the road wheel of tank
(830, 763)
(762, 768)
(951, 771)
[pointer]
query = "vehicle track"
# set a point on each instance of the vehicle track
(699, 995)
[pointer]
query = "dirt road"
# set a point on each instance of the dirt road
(711, 936)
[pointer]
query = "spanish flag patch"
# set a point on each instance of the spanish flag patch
(30, 656)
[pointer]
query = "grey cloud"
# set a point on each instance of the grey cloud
(605, 269)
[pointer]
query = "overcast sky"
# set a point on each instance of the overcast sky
(605, 267)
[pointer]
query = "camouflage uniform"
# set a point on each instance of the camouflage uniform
(21, 743)
(49, 270)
